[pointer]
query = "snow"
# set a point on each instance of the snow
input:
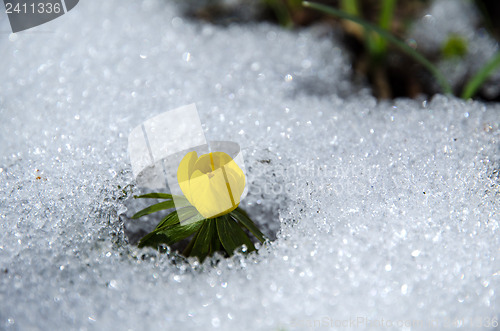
(381, 210)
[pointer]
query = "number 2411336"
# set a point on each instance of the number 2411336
(32, 8)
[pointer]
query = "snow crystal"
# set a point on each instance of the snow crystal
(381, 211)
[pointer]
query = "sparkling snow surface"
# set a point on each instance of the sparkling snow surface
(385, 211)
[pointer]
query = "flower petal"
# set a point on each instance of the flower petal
(220, 159)
(210, 194)
(184, 171)
(236, 180)
(204, 164)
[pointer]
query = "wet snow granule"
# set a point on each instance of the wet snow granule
(383, 211)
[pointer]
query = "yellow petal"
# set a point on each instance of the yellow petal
(209, 193)
(213, 183)
(184, 171)
(235, 179)
(204, 164)
(220, 159)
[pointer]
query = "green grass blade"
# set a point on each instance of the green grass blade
(385, 20)
(350, 6)
(281, 11)
(480, 77)
(241, 217)
(154, 208)
(231, 235)
(443, 82)
(387, 13)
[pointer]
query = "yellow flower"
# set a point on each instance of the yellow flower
(213, 183)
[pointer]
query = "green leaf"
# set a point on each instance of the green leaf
(154, 196)
(165, 196)
(242, 217)
(215, 245)
(168, 220)
(152, 239)
(154, 208)
(189, 247)
(170, 235)
(173, 217)
(179, 232)
(190, 218)
(196, 218)
(202, 246)
(169, 230)
(231, 235)
(445, 85)
(177, 203)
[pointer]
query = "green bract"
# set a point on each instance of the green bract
(224, 233)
